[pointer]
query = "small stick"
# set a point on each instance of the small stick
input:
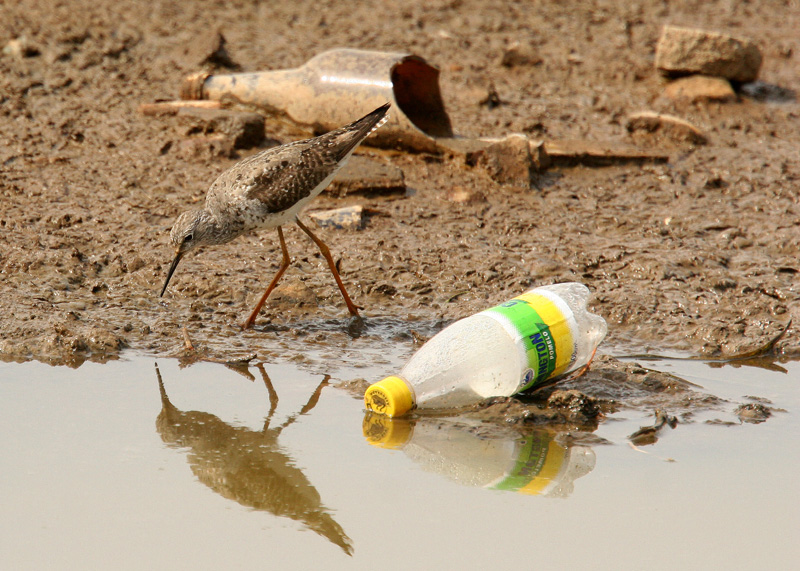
(187, 343)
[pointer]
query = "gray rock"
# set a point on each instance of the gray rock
(347, 218)
(682, 51)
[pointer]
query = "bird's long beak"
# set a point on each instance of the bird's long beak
(178, 256)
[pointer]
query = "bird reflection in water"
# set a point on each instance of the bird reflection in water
(250, 466)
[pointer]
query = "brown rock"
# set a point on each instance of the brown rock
(682, 51)
(507, 161)
(293, 294)
(245, 129)
(362, 175)
(700, 88)
(463, 195)
(202, 147)
(520, 54)
(208, 50)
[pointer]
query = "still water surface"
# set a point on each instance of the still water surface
(107, 467)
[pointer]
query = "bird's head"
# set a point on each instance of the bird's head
(190, 230)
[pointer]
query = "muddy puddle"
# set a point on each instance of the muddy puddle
(145, 463)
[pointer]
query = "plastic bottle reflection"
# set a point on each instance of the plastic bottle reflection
(487, 456)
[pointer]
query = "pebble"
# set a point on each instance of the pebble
(700, 88)
(682, 51)
(463, 195)
(520, 54)
(346, 218)
(20, 48)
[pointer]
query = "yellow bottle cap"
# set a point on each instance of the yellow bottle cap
(380, 430)
(391, 396)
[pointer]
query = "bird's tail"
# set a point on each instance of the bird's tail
(359, 130)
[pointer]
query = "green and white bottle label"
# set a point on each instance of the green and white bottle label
(543, 326)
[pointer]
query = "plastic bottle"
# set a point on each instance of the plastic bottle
(527, 342)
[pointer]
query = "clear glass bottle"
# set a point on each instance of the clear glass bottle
(529, 341)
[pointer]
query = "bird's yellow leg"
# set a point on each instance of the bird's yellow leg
(284, 264)
(327, 254)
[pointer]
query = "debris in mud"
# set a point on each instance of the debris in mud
(569, 408)
(683, 51)
(580, 408)
(754, 413)
(647, 435)
(490, 99)
(322, 93)
(160, 108)
(669, 125)
(565, 153)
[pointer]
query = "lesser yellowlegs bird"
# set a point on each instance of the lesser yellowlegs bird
(268, 190)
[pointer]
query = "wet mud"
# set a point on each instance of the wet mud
(696, 256)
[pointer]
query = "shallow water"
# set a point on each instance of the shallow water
(98, 473)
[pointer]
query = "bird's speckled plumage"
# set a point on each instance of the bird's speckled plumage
(270, 188)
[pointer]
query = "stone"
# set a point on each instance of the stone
(520, 54)
(21, 48)
(365, 176)
(464, 195)
(682, 51)
(673, 127)
(700, 88)
(507, 161)
(293, 294)
(347, 218)
(245, 129)
(208, 50)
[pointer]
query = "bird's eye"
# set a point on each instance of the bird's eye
(189, 238)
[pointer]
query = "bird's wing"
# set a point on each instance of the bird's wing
(282, 176)
(290, 174)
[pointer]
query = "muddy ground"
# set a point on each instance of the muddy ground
(697, 256)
